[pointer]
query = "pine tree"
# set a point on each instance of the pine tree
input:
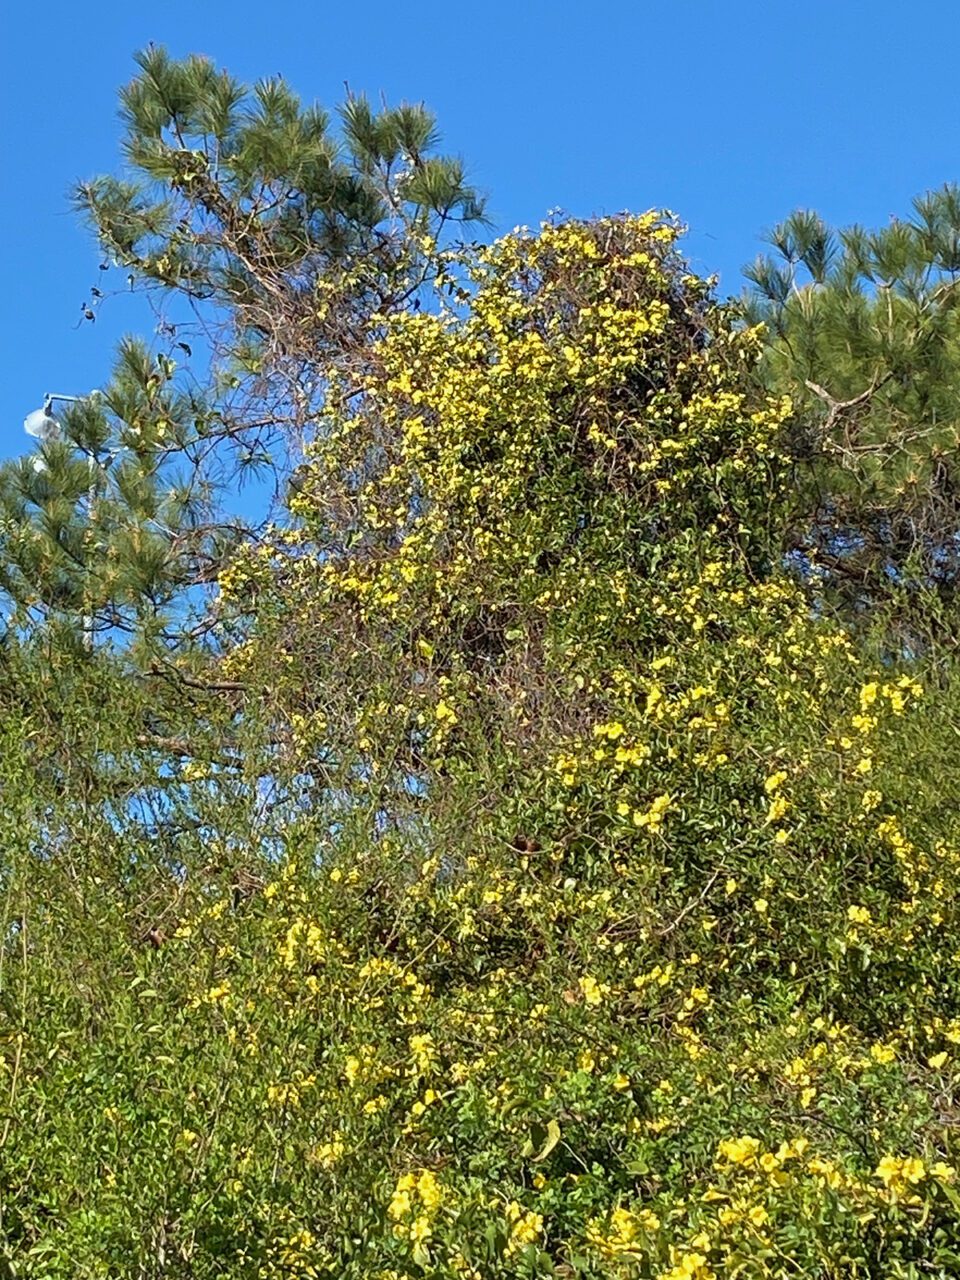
(285, 233)
(863, 333)
(272, 242)
(107, 527)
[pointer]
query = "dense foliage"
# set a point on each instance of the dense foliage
(265, 239)
(862, 333)
(529, 875)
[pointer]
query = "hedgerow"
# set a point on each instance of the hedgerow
(562, 894)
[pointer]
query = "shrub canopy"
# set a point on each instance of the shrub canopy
(520, 872)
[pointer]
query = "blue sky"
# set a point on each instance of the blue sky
(731, 114)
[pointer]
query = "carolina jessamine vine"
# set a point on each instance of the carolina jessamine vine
(529, 875)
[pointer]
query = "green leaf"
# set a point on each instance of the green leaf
(553, 1137)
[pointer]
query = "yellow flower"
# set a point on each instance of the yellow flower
(691, 1266)
(328, 1153)
(652, 818)
(778, 807)
(400, 1203)
(525, 1229)
(423, 1051)
(611, 731)
(899, 1174)
(739, 1150)
(792, 1150)
(421, 1228)
(592, 990)
(430, 1190)
(623, 1228)
(445, 714)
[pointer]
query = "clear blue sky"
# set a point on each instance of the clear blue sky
(731, 114)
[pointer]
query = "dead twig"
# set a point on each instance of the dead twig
(662, 933)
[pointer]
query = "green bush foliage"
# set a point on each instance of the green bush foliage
(543, 888)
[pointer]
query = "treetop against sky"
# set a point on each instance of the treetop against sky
(730, 120)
